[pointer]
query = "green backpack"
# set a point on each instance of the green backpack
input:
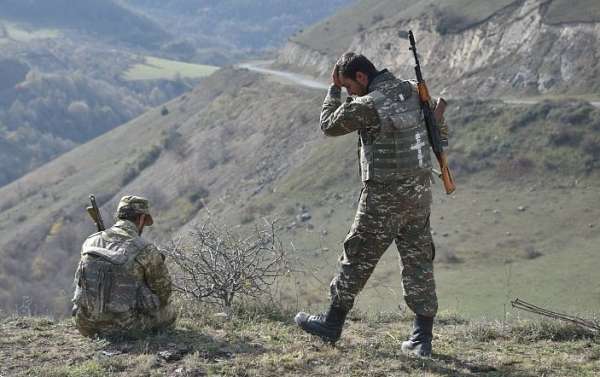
(106, 281)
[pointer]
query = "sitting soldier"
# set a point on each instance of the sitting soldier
(122, 285)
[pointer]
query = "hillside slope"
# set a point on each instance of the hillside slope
(225, 31)
(102, 18)
(265, 346)
(247, 148)
(476, 48)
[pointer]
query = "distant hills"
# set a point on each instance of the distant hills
(71, 70)
(102, 18)
(226, 30)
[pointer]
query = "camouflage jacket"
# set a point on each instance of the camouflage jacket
(148, 269)
(363, 114)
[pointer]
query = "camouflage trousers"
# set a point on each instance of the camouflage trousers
(124, 324)
(387, 212)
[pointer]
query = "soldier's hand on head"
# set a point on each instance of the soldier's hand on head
(335, 77)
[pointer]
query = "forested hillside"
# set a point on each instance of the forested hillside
(227, 30)
(105, 19)
(70, 71)
(57, 91)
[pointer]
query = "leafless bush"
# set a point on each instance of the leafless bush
(515, 168)
(449, 256)
(215, 266)
(531, 252)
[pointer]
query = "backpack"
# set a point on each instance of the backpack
(106, 281)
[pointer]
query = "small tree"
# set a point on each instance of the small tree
(214, 265)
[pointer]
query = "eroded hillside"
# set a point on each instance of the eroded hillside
(472, 48)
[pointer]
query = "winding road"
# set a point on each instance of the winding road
(292, 78)
(283, 76)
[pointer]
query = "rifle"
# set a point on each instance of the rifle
(432, 118)
(95, 214)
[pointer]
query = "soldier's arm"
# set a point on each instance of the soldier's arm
(340, 119)
(156, 272)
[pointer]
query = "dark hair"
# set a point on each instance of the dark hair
(128, 214)
(350, 63)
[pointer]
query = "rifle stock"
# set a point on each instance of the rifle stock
(432, 120)
(440, 109)
(446, 175)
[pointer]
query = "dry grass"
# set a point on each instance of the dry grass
(252, 345)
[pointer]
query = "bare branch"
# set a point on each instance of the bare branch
(213, 265)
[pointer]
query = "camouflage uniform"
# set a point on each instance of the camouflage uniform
(123, 286)
(395, 200)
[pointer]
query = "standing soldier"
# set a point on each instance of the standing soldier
(395, 200)
(122, 284)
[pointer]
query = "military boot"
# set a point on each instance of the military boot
(327, 326)
(419, 343)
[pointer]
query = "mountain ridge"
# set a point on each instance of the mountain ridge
(489, 53)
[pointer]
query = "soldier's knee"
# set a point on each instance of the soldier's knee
(352, 244)
(422, 301)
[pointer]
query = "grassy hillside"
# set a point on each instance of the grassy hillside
(565, 11)
(59, 88)
(23, 33)
(333, 35)
(236, 146)
(269, 345)
(163, 69)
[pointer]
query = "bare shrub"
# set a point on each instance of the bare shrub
(79, 108)
(565, 137)
(449, 256)
(215, 266)
(173, 141)
(531, 252)
(248, 214)
(591, 145)
(156, 196)
(515, 168)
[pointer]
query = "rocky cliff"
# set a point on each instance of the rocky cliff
(520, 48)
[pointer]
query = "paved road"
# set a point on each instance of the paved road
(310, 82)
(534, 101)
(287, 77)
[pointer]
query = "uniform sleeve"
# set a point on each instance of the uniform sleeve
(340, 119)
(156, 272)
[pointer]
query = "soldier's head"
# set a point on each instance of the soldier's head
(135, 209)
(355, 72)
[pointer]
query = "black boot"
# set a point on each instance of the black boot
(419, 343)
(326, 326)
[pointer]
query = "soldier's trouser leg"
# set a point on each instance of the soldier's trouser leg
(415, 246)
(363, 247)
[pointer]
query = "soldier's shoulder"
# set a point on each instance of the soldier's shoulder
(93, 235)
(412, 84)
(148, 250)
(367, 99)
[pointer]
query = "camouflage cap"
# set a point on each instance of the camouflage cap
(136, 204)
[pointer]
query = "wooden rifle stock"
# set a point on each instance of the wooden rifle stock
(432, 120)
(445, 174)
